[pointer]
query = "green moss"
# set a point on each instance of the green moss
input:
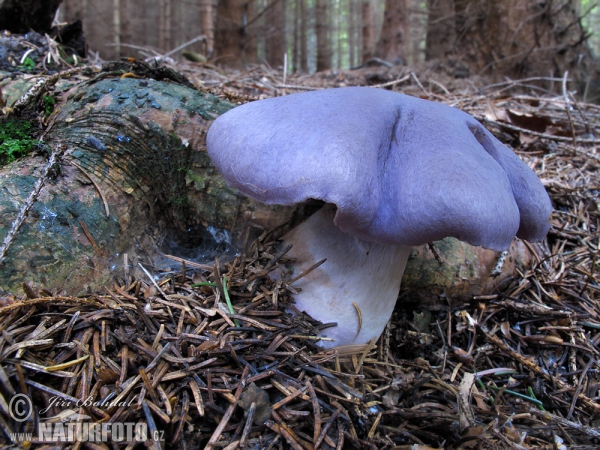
(48, 102)
(16, 139)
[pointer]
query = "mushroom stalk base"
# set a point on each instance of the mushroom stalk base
(356, 287)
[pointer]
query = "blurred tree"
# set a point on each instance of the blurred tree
(253, 32)
(440, 29)
(516, 38)
(303, 36)
(275, 38)
(393, 41)
(323, 41)
(353, 38)
(229, 32)
(164, 27)
(368, 30)
(207, 24)
(296, 35)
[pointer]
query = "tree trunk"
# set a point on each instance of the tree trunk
(276, 33)
(296, 37)
(71, 11)
(354, 19)
(117, 27)
(229, 41)
(323, 41)
(303, 37)
(125, 21)
(440, 29)
(252, 32)
(368, 30)
(207, 23)
(101, 24)
(520, 38)
(392, 45)
(164, 27)
(335, 34)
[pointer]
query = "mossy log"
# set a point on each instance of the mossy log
(450, 271)
(134, 179)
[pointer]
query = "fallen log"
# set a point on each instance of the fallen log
(131, 178)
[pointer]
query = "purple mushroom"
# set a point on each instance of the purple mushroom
(394, 171)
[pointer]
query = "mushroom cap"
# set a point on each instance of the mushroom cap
(400, 170)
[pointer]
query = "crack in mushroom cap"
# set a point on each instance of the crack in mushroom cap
(400, 170)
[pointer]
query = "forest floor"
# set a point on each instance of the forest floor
(518, 368)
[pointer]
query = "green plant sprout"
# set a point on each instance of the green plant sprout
(531, 398)
(28, 65)
(225, 293)
(204, 283)
(228, 300)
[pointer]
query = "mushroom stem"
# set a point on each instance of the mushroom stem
(356, 287)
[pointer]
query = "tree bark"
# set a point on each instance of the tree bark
(252, 32)
(207, 24)
(392, 45)
(276, 33)
(353, 29)
(296, 37)
(125, 20)
(323, 41)
(368, 30)
(72, 11)
(520, 38)
(229, 41)
(440, 29)
(303, 37)
(117, 27)
(335, 34)
(164, 27)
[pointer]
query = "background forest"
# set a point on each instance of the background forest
(514, 38)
